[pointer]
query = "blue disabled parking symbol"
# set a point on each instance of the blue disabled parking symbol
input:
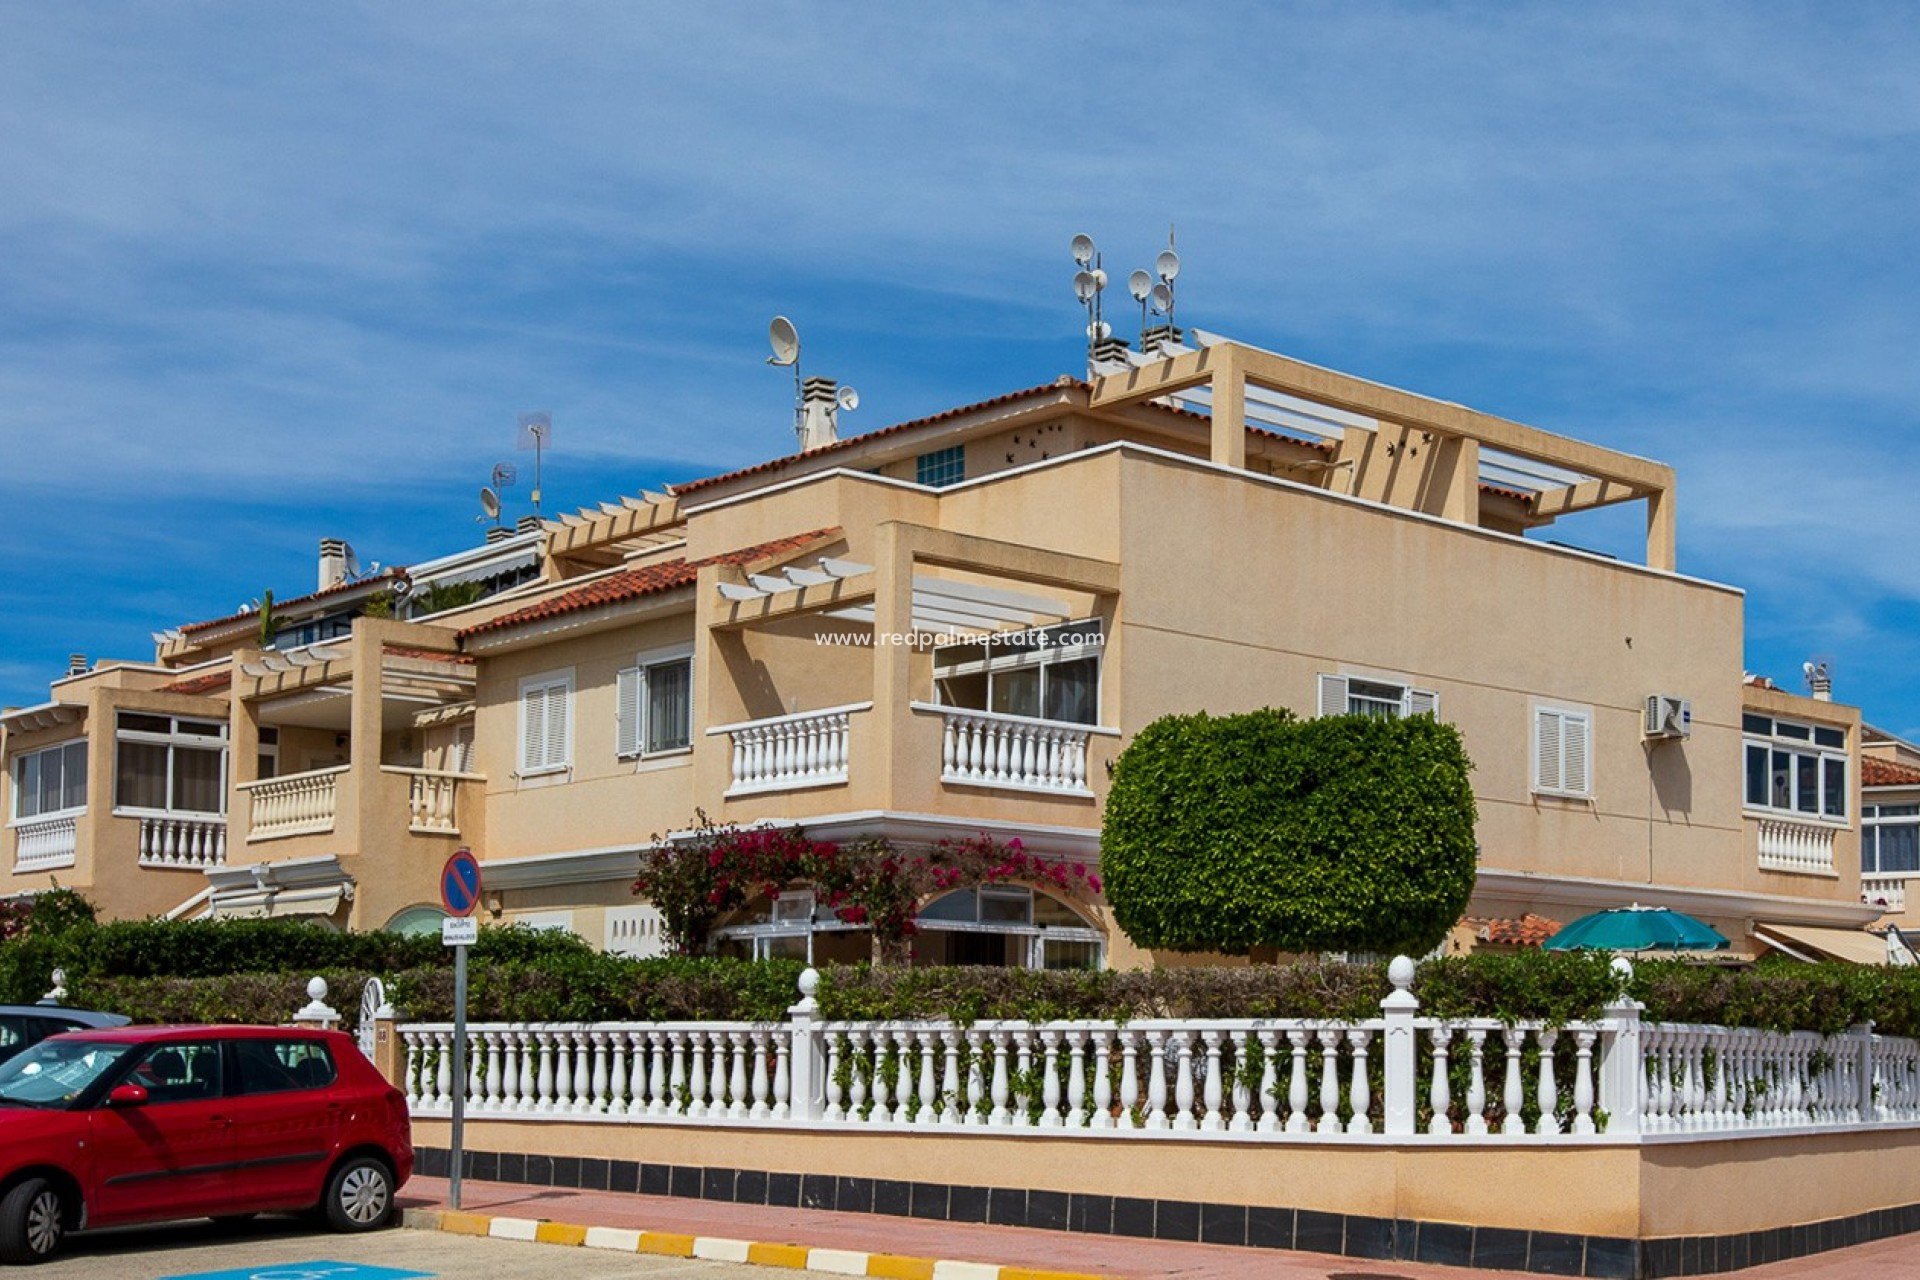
(306, 1271)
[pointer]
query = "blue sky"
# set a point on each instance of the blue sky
(269, 273)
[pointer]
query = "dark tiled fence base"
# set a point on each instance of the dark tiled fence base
(1449, 1244)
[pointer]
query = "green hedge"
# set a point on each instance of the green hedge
(1234, 833)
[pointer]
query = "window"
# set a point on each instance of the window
(168, 764)
(1047, 673)
(1342, 695)
(941, 467)
(656, 707)
(179, 1072)
(1562, 752)
(266, 760)
(546, 723)
(282, 1066)
(1890, 839)
(1005, 926)
(1795, 768)
(51, 780)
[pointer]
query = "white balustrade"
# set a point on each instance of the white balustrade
(784, 753)
(1887, 891)
(983, 749)
(45, 844)
(431, 796)
(1611, 1079)
(295, 804)
(191, 844)
(1805, 848)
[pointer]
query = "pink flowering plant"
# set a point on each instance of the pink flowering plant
(698, 880)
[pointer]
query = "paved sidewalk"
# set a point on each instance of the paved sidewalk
(1117, 1256)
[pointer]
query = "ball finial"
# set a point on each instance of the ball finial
(1622, 968)
(317, 990)
(1400, 972)
(809, 982)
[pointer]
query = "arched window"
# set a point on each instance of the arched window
(417, 920)
(1006, 926)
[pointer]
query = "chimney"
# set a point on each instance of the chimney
(819, 414)
(1820, 681)
(1161, 335)
(498, 533)
(76, 664)
(527, 524)
(1108, 351)
(333, 562)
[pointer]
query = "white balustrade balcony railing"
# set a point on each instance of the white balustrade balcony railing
(45, 844)
(1015, 753)
(1888, 891)
(1399, 1076)
(190, 844)
(431, 797)
(295, 804)
(785, 753)
(1802, 847)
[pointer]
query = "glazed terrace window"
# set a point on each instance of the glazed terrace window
(1047, 673)
(51, 780)
(1797, 769)
(170, 764)
(1890, 839)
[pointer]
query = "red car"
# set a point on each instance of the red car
(139, 1124)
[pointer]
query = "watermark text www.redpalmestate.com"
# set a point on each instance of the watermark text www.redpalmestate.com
(1002, 642)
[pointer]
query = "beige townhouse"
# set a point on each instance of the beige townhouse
(953, 625)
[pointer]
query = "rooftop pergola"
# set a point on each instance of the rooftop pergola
(1391, 445)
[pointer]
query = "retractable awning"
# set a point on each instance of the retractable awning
(1805, 942)
(278, 903)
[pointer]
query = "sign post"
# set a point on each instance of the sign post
(459, 894)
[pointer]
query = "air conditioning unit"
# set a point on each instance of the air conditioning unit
(1668, 717)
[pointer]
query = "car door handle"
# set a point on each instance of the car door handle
(219, 1122)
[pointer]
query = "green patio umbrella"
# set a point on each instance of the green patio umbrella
(1637, 928)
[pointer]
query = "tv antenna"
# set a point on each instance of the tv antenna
(505, 475)
(536, 433)
(785, 341)
(1088, 283)
(1153, 290)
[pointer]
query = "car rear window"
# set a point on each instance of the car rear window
(280, 1066)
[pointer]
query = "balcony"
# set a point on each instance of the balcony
(789, 753)
(45, 844)
(1800, 848)
(432, 799)
(1013, 753)
(295, 804)
(180, 843)
(1889, 891)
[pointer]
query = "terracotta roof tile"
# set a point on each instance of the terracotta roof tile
(1875, 772)
(1528, 931)
(342, 589)
(634, 584)
(211, 682)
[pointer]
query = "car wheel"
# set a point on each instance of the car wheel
(359, 1195)
(33, 1222)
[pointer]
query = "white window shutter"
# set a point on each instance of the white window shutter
(557, 715)
(1333, 695)
(533, 729)
(627, 736)
(1423, 702)
(1548, 772)
(1576, 760)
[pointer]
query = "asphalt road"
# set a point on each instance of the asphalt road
(274, 1245)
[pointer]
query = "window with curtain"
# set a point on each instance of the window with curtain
(51, 780)
(170, 764)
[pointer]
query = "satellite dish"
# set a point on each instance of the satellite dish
(1167, 264)
(1083, 249)
(1139, 284)
(1100, 332)
(1162, 299)
(1806, 669)
(1085, 285)
(849, 399)
(353, 562)
(504, 474)
(490, 503)
(785, 341)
